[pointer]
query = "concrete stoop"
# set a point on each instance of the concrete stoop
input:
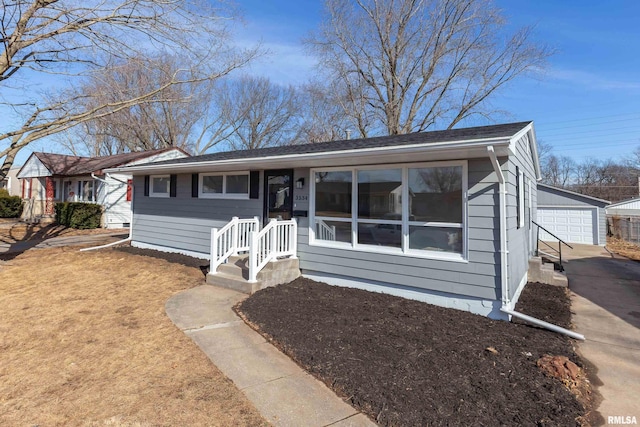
(545, 273)
(235, 274)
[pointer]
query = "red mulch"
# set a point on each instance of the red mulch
(403, 362)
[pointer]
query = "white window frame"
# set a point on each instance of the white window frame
(224, 194)
(404, 222)
(79, 194)
(152, 193)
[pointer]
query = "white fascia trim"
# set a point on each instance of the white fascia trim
(532, 143)
(360, 152)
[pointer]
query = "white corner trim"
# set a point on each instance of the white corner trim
(516, 295)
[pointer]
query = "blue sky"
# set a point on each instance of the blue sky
(587, 103)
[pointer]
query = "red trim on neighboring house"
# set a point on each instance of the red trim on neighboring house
(30, 187)
(49, 190)
(24, 182)
(129, 190)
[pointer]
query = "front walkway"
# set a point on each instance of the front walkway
(606, 305)
(283, 392)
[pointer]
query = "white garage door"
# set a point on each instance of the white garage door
(573, 225)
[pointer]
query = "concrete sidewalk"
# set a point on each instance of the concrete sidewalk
(606, 304)
(283, 392)
(54, 242)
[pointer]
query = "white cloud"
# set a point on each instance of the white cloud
(591, 80)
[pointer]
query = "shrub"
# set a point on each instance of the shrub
(10, 206)
(78, 215)
(4, 193)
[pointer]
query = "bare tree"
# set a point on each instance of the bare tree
(182, 115)
(323, 117)
(408, 65)
(64, 41)
(261, 113)
(558, 171)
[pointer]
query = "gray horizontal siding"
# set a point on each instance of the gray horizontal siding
(519, 239)
(184, 222)
(479, 277)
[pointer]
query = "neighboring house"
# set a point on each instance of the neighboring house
(48, 178)
(443, 217)
(11, 182)
(628, 208)
(572, 217)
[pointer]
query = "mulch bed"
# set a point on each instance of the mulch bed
(175, 258)
(402, 362)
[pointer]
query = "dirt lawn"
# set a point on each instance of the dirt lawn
(623, 248)
(84, 340)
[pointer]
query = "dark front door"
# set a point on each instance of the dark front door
(278, 194)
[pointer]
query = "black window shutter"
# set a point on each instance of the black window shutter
(517, 197)
(254, 184)
(172, 185)
(194, 185)
(146, 185)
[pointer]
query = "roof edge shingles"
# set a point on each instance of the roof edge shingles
(500, 131)
(66, 165)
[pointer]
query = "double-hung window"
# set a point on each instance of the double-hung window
(407, 209)
(229, 185)
(160, 185)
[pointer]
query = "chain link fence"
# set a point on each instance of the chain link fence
(625, 228)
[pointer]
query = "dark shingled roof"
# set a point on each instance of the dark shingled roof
(452, 135)
(61, 164)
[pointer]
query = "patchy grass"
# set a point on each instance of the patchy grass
(624, 248)
(84, 340)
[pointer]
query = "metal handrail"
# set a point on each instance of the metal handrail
(560, 243)
(559, 239)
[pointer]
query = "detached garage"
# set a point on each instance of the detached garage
(573, 217)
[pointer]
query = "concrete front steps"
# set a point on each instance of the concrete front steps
(235, 274)
(545, 273)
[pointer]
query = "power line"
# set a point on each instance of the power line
(589, 118)
(589, 124)
(635, 128)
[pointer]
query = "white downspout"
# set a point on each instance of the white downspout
(504, 252)
(502, 194)
(112, 243)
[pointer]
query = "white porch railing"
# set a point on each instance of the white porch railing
(276, 239)
(231, 239)
(325, 232)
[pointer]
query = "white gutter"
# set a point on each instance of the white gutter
(504, 252)
(98, 178)
(360, 152)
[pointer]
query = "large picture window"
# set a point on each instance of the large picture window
(410, 209)
(86, 191)
(231, 185)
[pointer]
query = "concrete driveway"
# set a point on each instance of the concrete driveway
(606, 305)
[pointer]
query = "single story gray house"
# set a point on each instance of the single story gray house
(573, 217)
(443, 217)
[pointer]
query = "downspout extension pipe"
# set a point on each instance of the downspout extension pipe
(504, 258)
(542, 323)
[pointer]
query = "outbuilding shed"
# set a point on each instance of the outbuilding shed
(629, 207)
(572, 217)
